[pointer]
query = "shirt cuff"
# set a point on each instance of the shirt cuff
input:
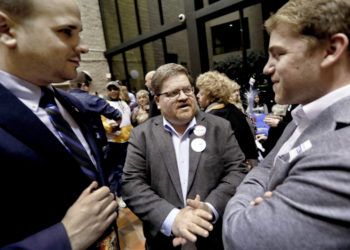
(168, 222)
(215, 213)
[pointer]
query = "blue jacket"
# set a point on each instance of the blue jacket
(39, 179)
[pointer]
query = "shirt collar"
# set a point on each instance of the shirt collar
(25, 91)
(304, 114)
(168, 127)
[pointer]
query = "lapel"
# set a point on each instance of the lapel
(20, 122)
(76, 111)
(167, 152)
(333, 118)
(195, 156)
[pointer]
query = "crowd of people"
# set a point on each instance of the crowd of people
(185, 155)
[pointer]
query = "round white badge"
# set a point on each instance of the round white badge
(199, 130)
(198, 145)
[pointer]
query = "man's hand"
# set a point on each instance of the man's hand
(92, 213)
(259, 200)
(272, 120)
(185, 229)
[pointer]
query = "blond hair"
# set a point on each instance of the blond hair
(216, 85)
(315, 20)
(142, 92)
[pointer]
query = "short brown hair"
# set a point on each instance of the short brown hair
(314, 19)
(164, 72)
(17, 8)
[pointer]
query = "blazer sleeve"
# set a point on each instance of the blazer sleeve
(233, 172)
(308, 208)
(136, 190)
(53, 238)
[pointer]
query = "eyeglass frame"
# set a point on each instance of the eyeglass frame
(186, 90)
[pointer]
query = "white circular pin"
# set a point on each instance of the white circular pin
(198, 145)
(199, 130)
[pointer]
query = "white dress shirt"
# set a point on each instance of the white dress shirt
(30, 94)
(304, 115)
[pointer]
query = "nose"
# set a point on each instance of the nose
(269, 68)
(83, 48)
(182, 95)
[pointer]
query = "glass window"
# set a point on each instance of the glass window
(128, 19)
(177, 49)
(134, 65)
(110, 24)
(198, 4)
(172, 9)
(154, 55)
(149, 15)
(118, 67)
(227, 37)
(256, 27)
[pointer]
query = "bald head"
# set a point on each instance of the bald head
(148, 79)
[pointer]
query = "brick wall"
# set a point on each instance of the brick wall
(93, 36)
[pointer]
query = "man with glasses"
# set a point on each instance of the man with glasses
(182, 154)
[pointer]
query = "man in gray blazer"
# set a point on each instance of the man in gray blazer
(179, 155)
(299, 197)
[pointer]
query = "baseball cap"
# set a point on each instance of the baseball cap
(113, 83)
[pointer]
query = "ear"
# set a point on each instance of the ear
(156, 98)
(6, 33)
(337, 47)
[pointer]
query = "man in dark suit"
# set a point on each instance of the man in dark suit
(48, 201)
(176, 156)
(299, 196)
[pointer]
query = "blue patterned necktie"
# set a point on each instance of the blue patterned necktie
(65, 132)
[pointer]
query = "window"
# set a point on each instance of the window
(227, 37)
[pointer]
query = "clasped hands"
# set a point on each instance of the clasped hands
(192, 221)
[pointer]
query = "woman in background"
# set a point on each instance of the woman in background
(213, 97)
(141, 113)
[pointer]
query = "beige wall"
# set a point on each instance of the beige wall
(93, 36)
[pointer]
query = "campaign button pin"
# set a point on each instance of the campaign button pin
(199, 130)
(198, 145)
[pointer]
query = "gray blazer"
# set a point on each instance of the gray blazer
(151, 184)
(310, 206)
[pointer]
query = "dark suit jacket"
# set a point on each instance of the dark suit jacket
(39, 179)
(151, 183)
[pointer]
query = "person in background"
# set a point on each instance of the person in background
(277, 121)
(141, 113)
(127, 96)
(182, 154)
(214, 92)
(153, 108)
(53, 195)
(258, 106)
(98, 106)
(118, 136)
(235, 97)
(299, 196)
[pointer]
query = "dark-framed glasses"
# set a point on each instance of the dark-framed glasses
(176, 93)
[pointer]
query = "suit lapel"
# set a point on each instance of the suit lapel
(334, 117)
(167, 152)
(195, 156)
(74, 109)
(20, 122)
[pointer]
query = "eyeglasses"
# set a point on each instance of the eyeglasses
(176, 93)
